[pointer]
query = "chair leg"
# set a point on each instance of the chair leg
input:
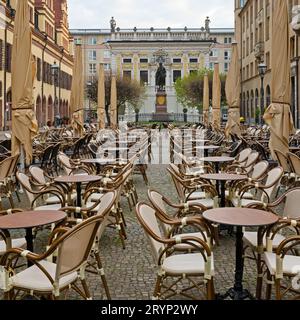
(86, 289)
(102, 274)
(157, 290)
(269, 286)
(210, 290)
(277, 287)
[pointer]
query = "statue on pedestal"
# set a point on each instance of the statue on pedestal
(160, 77)
(113, 25)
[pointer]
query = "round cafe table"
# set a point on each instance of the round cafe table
(78, 180)
(239, 218)
(223, 178)
(206, 149)
(99, 162)
(30, 219)
(217, 161)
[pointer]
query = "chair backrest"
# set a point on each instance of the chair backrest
(65, 161)
(273, 180)
(148, 220)
(294, 161)
(252, 159)
(25, 183)
(291, 207)
(5, 166)
(259, 169)
(283, 161)
(38, 175)
(243, 155)
(175, 174)
(14, 165)
(75, 246)
(106, 203)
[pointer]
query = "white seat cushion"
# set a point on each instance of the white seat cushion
(186, 264)
(247, 195)
(196, 195)
(251, 238)
(185, 246)
(291, 264)
(208, 203)
(16, 243)
(50, 207)
(55, 199)
(244, 202)
(34, 279)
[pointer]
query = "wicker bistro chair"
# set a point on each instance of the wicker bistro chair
(104, 207)
(5, 166)
(273, 179)
(245, 167)
(194, 191)
(256, 175)
(283, 161)
(7, 242)
(282, 265)
(41, 181)
(294, 162)
(187, 214)
(271, 241)
(54, 197)
(71, 166)
(199, 264)
(45, 278)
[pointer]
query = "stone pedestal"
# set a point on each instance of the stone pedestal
(161, 107)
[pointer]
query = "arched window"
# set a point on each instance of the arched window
(50, 112)
(38, 110)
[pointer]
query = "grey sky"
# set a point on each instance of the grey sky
(150, 13)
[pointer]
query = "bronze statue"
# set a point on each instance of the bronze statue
(113, 25)
(160, 77)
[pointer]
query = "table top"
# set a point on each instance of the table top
(99, 161)
(30, 219)
(224, 177)
(217, 159)
(77, 179)
(243, 217)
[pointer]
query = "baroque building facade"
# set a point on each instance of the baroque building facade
(133, 53)
(253, 20)
(52, 51)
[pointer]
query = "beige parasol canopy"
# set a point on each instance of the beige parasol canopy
(206, 100)
(77, 93)
(216, 99)
(101, 97)
(278, 114)
(24, 124)
(233, 88)
(113, 103)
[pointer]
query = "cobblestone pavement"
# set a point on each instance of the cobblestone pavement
(131, 272)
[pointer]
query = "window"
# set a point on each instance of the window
(127, 60)
(214, 53)
(77, 41)
(92, 41)
(127, 74)
(211, 66)
(92, 68)
(225, 40)
(92, 55)
(176, 60)
(193, 60)
(226, 66)
(106, 54)
(144, 76)
(226, 55)
(38, 69)
(144, 60)
(229, 40)
(176, 75)
(106, 66)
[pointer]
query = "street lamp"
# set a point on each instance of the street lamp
(262, 68)
(54, 73)
(89, 85)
